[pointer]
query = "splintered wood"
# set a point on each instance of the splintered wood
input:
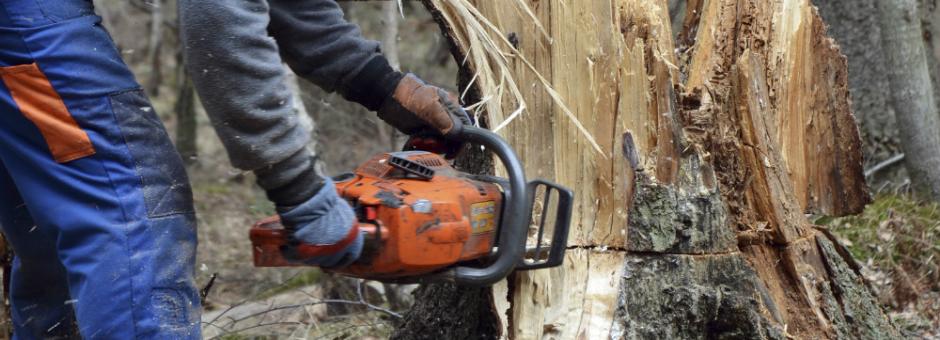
(690, 218)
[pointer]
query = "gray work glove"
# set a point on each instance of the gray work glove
(324, 219)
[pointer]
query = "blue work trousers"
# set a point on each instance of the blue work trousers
(93, 196)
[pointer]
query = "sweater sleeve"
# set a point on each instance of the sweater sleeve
(237, 71)
(321, 46)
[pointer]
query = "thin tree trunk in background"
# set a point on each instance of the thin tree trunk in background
(930, 13)
(155, 46)
(690, 222)
(854, 25)
(297, 103)
(912, 93)
(390, 17)
(677, 14)
(303, 115)
(185, 108)
(186, 125)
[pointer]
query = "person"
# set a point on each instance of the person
(93, 196)
(234, 51)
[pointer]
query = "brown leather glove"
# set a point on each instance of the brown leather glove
(416, 108)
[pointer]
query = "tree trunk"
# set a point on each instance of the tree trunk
(186, 125)
(677, 14)
(154, 47)
(930, 18)
(854, 25)
(690, 222)
(912, 93)
(391, 14)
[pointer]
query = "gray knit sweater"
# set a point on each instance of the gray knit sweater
(234, 51)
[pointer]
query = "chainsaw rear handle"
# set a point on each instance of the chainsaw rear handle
(300, 251)
(512, 233)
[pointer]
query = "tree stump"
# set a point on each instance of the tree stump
(695, 163)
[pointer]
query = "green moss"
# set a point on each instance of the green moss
(212, 188)
(892, 230)
(897, 241)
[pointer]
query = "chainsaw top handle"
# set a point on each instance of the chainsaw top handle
(515, 216)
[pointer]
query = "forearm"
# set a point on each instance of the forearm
(321, 46)
(241, 81)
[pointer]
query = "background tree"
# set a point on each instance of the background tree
(912, 93)
(883, 52)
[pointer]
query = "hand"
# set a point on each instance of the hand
(324, 219)
(416, 108)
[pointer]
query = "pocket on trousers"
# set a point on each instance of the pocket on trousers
(41, 104)
(166, 186)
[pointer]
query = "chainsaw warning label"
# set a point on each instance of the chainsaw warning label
(483, 217)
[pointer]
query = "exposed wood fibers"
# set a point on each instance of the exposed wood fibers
(758, 93)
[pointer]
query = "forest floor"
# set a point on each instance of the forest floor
(896, 241)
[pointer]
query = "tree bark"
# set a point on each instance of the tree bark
(186, 125)
(930, 18)
(690, 220)
(854, 25)
(390, 17)
(912, 93)
(154, 47)
(677, 14)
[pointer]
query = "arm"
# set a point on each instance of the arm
(321, 46)
(236, 68)
(237, 71)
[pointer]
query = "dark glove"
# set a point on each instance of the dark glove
(416, 108)
(324, 219)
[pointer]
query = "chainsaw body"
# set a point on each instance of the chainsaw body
(425, 221)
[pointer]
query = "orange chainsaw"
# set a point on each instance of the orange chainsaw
(425, 221)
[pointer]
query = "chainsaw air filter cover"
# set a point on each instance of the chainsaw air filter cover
(422, 214)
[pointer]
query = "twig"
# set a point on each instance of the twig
(329, 335)
(361, 302)
(884, 164)
(368, 305)
(275, 323)
(205, 290)
(244, 301)
(298, 305)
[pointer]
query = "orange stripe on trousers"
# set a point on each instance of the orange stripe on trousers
(42, 105)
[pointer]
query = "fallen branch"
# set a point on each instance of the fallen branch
(883, 165)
